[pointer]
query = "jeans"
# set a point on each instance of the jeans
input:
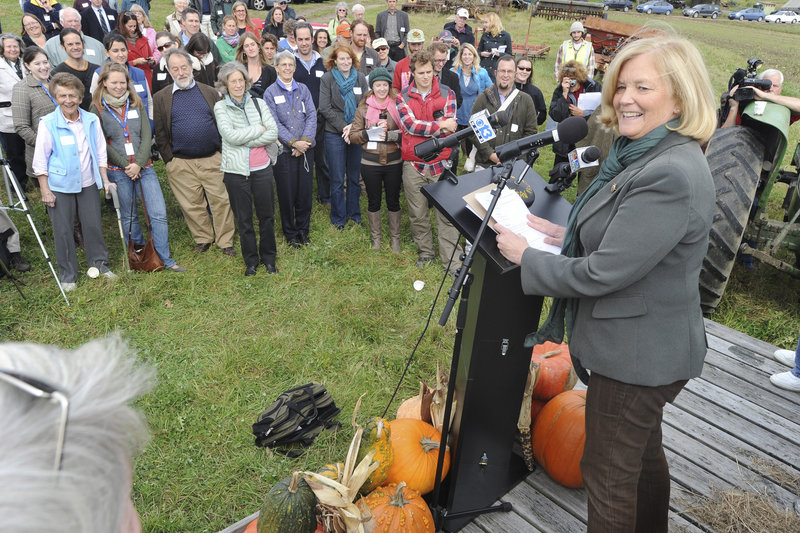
(343, 159)
(244, 192)
(156, 210)
(796, 369)
(624, 468)
(295, 190)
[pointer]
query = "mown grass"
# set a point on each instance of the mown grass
(337, 312)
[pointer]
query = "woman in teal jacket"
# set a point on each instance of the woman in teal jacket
(249, 152)
(473, 80)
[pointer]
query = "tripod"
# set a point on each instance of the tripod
(21, 205)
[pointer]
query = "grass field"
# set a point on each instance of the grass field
(337, 312)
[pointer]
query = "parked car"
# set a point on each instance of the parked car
(702, 10)
(656, 6)
(748, 13)
(618, 5)
(789, 17)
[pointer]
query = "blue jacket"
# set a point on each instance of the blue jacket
(64, 163)
(294, 112)
(479, 82)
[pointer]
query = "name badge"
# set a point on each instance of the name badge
(357, 90)
(319, 73)
(128, 148)
(161, 76)
(138, 87)
(219, 12)
(132, 113)
(514, 128)
(67, 140)
(89, 52)
(85, 4)
(369, 61)
(46, 18)
(280, 99)
(110, 17)
(372, 145)
(403, 28)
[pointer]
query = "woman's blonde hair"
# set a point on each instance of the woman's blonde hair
(247, 20)
(494, 25)
(240, 57)
(137, 8)
(475, 57)
(105, 72)
(682, 67)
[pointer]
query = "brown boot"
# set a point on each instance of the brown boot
(375, 228)
(394, 230)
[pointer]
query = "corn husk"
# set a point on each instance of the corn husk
(338, 509)
(524, 422)
(439, 400)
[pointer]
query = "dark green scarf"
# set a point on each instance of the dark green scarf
(623, 153)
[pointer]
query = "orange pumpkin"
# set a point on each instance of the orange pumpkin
(554, 372)
(399, 509)
(415, 446)
(536, 409)
(252, 527)
(559, 435)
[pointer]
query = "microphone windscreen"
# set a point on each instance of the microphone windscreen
(572, 130)
(591, 154)
(501, 118)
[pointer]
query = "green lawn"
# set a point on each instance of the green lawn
(337, 312)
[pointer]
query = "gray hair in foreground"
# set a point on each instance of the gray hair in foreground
(284, 54)
(175, 51)
(226, 70)
(90, 494)
(771, 72)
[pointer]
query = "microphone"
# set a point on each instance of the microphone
(429, 149)
(583, 158)
(569, 131)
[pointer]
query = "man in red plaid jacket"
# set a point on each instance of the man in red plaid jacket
(426, 110)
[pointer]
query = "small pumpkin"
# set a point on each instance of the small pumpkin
(289, 507)
(559, 435)
(536, 409)
(332, 471)
(416, 450)
(554, 372)
(399, 509)
(252, 527)
(376, 437)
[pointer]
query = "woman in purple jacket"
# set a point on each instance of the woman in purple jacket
(293, 109)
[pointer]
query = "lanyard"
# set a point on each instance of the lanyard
(47, 93)
(123, 125)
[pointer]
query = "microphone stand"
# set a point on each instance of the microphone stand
(462, 285)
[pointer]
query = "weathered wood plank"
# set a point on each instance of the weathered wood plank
(738, 338)
(764, 363)
(757, 380)
(542, 512)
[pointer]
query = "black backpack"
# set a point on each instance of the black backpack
(296, 418)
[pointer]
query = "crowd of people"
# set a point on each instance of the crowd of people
(282, 108)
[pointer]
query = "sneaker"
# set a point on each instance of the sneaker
(109, 275)
(176, 268)
(67, 286)
(785, 356)
(786, 380)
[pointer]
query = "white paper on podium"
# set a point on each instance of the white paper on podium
(512, 213)
(588, 101)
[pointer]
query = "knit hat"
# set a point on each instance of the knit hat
(379, 74)
(380, 41)
(577, 26)
(343, 29)
(415, 36)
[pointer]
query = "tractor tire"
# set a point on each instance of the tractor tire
(734, 156)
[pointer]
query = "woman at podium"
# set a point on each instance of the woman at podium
(626, 282)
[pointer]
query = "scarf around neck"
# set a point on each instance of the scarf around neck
(346, 86)
(116, 103)
(624, 152)
(233, 40)
(374, 109)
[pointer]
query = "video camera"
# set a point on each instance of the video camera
(746, 79)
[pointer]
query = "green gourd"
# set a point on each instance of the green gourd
(289, 507)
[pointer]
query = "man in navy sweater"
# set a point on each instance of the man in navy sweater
(182, 111)
(309, 71)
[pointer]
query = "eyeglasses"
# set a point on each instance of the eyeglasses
(164, 46)
(42, 390)
(527, 69)
(381, 48)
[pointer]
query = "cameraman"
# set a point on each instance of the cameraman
(573, 80)
(773, 95)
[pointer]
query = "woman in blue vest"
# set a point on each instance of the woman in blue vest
(473, 80)
(129, 139)
(70, 163)
(117, 52)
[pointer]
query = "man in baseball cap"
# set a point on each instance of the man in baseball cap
(577, 48)
(461, 31)
(402, 73)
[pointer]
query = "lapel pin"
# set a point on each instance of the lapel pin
(613, 187)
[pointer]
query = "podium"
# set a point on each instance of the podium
(493, 363)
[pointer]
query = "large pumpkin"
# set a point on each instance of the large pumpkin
(376, 437)
(416, 449)
(398, 509)
(289, 507)
(554, 372)
(559, 435)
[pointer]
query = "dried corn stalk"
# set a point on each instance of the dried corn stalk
(439, 400)
(524, 422)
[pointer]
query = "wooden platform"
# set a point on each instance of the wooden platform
(729, 430)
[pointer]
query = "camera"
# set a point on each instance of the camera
(746, 79)
(572, 83)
